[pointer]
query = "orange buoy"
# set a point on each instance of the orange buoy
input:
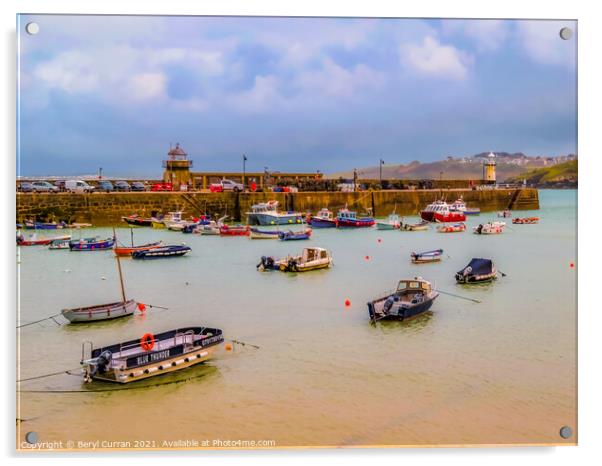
(347, 303)
(141, 307)
(147, 342)
(228, 346)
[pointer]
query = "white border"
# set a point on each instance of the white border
(590, 77)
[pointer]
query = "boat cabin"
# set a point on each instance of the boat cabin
(438, 207)
(265, 207)
(416, 286)
(346, 214)
(312, 254)
(325, 214)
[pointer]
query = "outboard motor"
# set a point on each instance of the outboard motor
(103, 361)
(388, 304)
(292, 265)
(480, 228)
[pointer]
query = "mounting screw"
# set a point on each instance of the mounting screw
(32, 28)
(566, 33)
(566, 432)
(31, 437)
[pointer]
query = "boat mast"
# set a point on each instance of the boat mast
(119, 268)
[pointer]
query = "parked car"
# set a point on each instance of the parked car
(25, 187)
(226, 185)
(122, 186)
(44, 187)
(78, 186)
(162, 187)
(105, 185)
(139, 186)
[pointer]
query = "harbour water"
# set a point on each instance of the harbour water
(499, 372)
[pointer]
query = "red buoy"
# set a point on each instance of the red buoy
(379, 240)
(347, 303)
(367, 258)
(571, 265)
(141, 307)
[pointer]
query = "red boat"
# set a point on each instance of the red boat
(34, 241)
(525, 220)
(128, 250)
(452, 228)
(439, 211)
(237, 230)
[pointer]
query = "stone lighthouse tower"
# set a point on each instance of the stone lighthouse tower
(177, 167)
(489, 169)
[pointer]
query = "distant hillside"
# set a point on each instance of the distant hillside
(562, 174)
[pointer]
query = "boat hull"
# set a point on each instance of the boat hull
(91, 246)
(128, 251)
(451, 216)
(316, 222)
(357, 223)
(161, 252)
(403, 313)
(100, 312)
(269, 219)
(386, 226)
(138, 221)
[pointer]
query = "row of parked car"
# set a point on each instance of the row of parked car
(80, 186)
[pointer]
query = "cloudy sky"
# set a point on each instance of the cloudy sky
(291, 94)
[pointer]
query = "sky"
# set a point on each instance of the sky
(292, 94)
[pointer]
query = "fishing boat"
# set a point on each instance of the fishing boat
(263, 234)
(348, 219)
(150, 355)
(168, 218)
(426, 256)
(421, 226)
(211, 229)
(393, 222)
(323, 219)
(33, 240)
(137, 220)
(294, 235)
(411, 298)
(162, 252)
(451, 228)
(59, 244)
(92, 244)
(477, 271)
(489, 228)
(460, 206)
(309, 259)
(123, 308)
(439, 211)
(504, 213)
(266, 213)
(525, 220)
(31, 225)
(234, 230)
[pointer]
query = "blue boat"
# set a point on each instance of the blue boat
(348, 219)
(266, 213)
(323, 219)
(411, 298)
(426, 256)
(294, 235)
(91, 244)
(29, 225)
(160, 253)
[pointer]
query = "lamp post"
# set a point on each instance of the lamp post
(380, 166)
(354, 179)
(244, 166)
(100, 173)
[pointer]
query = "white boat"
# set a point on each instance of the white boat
(267, 213)
(309, 259)
(393, 222)
(489, 228)
(460, 206)
(212, 228)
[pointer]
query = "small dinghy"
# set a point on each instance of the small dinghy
(422, 226)
(59, 244)
(150, 355)
(138, 221)
(525, 220)
(294, 235)
(426, 257)
(452, 228)
(129, 250)
(393, 222)
(91, 244)
(323, 219)
(162, 252)
(234, 230)
(477, 271)
(33, 240)
(489, 228)
(263, 234)
(310, 259)
(31, 225)
(411, 298)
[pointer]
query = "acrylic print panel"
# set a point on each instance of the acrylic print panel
(211, 209)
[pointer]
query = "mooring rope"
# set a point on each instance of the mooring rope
(52, 374)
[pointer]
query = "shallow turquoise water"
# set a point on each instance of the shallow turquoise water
(502, 371)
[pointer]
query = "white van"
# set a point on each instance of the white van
(78, 186)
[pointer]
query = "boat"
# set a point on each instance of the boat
(31, 225)
(525, 220)
(439, 211)
(451, 227)
(323, 219)
(393, 222)
(309, 259)
(348, 219)
(426, 256)
(256, 233)
(129, 250)
(163, 251)
(92, 244)
(460, 206)
(294, 235)
(421, 226)
(137, 220)
(59, 244)
(33, 240)
(477, 271)
(489, 228)
(234, 230)
(504, 213)
(150, 355)
(98, 312)
(266, 213)
(170, 217)
(411, 298)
